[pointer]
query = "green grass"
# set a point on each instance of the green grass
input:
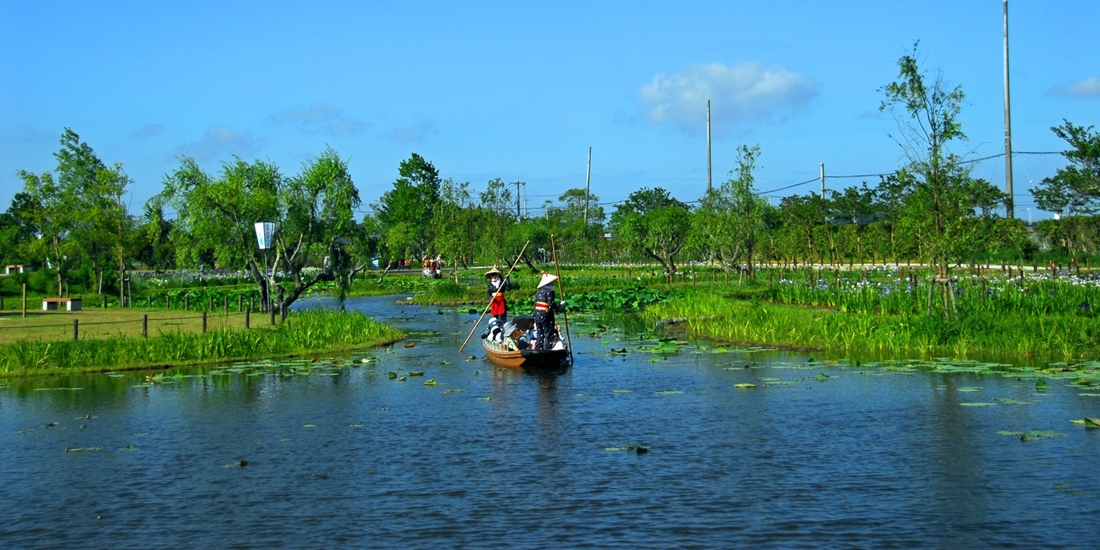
(982, 333)
(303, 333)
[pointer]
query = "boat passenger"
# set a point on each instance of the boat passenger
(545, 306)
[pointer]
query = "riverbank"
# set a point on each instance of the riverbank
(723, 315)
(303, 333)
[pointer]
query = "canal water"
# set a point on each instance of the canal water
(427, 447)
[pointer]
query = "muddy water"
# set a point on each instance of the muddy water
(336, 453)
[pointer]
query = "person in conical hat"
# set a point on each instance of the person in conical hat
(498, 307)
(544, 312)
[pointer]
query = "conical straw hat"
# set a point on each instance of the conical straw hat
(547, 279)
(494, 271)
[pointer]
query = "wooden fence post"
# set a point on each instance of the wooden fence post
(247, 318)
(145, 325)
(76, 329)
(204, 322)
(24, 299)
(104, 301)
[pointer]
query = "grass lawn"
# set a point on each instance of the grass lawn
(97, 323)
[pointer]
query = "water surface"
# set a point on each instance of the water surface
(348, 456)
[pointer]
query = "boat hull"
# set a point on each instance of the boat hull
(526, 359)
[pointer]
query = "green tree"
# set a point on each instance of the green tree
(313, 213)
(854, 208)
(652, 223)
(730, 219)
(454, 219)
(927, 112)
(496, 221)
(16, 229)
(405, 212)
(79, 213)
(1075, 189)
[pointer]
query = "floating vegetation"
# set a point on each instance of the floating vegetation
(416, 373)
(668, 392)
(1033, 435)
(620, 392)
(968, 389)
(429, 382)
(83, 449)
(745, 385)
(978, 404)
(309, 425)
(1010, 401)
(639, 449)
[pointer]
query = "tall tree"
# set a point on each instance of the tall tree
(456, 230)
(217, 216)
(78, 213)
(652, 223)
(730, 218)
(1075, 189)
(313, 213)
(496, 221)
(927, 112)
(405, 212)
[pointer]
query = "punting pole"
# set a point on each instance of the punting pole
(490, 304)
(561, 289)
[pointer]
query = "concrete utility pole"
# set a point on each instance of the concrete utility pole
(1009, 205)
(708, 145)
(587, 183)
(519, 213)
(823, 180)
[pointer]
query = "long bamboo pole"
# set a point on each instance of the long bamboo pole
(561, 290)
(490, 304)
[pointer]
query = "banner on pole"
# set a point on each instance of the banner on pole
(265, 231)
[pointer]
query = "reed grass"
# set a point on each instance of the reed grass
(303, 333)
(981, 333)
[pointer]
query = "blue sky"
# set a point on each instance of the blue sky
(520, 90)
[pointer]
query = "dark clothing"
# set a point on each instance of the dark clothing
(544, 317)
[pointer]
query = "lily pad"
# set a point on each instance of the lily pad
(746, 385)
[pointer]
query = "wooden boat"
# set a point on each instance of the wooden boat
(500, 355)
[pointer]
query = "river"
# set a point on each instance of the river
(622, 450)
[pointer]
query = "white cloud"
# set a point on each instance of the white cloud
(413, 134)
(220, 142)
(149, 130)
(320, 118)
(1086, 88)
(742, 94)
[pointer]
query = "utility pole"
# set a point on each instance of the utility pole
(526, 209)
(1009, 205)
(708, 145)
(517, 183)
(587, 183)
(823, 180)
